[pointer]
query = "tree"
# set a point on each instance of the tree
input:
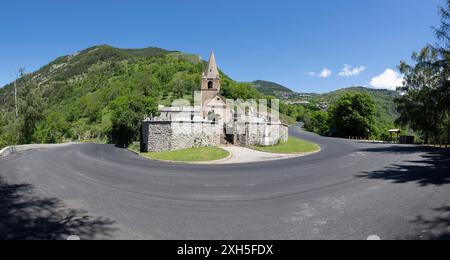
(233, 90)
(425, 107)
(318, 122)
(53, 129)
(2, 132)
(422, 107)
(180, 85)
(8, 128)
(31, 113)
(443, 46)
(353, 115)
(128, 112)
(443, 31)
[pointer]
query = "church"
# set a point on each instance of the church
(211, 121)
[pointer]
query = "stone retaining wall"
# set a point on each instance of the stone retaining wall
(160, 136)
(263, 134)
(168, 136)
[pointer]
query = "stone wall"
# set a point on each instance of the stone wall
(195, 134)
(173, 135)
(284, 130)
(262, 134)
(160, 136)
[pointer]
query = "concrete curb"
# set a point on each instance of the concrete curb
(7, 151)
(22, 148)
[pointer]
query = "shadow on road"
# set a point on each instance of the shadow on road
(24, 216)
(437, 228)
(426, 166)
(405, 149)
(432, 167)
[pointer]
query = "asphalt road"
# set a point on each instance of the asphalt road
(350, 190)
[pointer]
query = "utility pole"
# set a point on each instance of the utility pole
(15, 98)
(18, 75)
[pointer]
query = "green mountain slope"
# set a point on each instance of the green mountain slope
(271, 88)
(279, 91)
(74, 93)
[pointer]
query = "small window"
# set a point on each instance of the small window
(210, 85)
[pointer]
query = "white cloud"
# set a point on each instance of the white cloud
(390, 79)
(326, 73)
(348, 71)
(312, 74)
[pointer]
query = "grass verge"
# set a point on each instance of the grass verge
(292, 146)
(201, 154)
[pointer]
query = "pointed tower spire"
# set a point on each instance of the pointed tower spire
(211, 71)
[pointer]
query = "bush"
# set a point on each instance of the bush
(53, 129)
(128, 112)
(318, 122)
(353, 115)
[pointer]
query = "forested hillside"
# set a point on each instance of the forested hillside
(82, 96)
(271, 88)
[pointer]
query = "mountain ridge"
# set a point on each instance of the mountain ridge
(265, 87)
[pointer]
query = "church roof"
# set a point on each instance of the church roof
(211, 71)
(217, 100)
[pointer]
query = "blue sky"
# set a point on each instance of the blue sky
(304, 45)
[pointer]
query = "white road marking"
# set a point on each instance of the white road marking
(374, 238)
(73, 238)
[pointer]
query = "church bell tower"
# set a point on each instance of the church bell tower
(210, 86)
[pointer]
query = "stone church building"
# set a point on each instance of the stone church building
(212, 121)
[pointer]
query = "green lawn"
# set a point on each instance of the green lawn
(292, 146)
(202, 154)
